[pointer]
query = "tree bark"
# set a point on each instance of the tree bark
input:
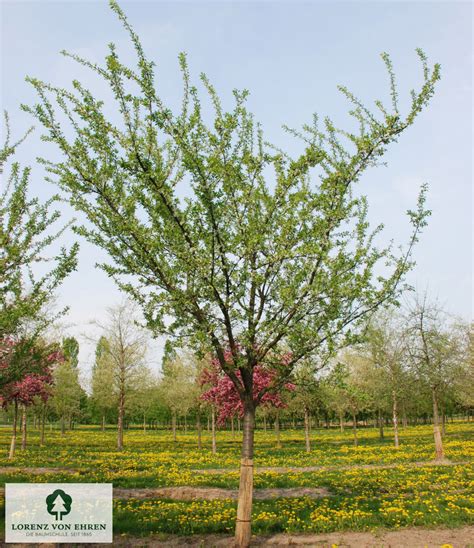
(42, 424)
(23, 427)
(264, 423)
(354, 428)
(103, 422)
(306, 430)
(244, 504)
(341, 422)
(277, 429)
(173, 424)
(213, 428)
(11, 454)
(198, 427)
(380, 421)
(63, 426)
(121, 412)
(395, 418)
(436, 430)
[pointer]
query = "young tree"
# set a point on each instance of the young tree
(435, 352)
(306, 396)
(261, 257)
(67, 393)
(178, 388)
(103, 397)
(126, 350)
(386, 350)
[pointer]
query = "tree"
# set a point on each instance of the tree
(435, 352)
(261, 258)
(386, 349)
(103, 397)
(25, 239)
(41, 360)
(307, 395)
(71, 351)
(67, 393)
(178, 388)
(126, 350)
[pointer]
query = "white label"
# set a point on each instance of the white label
(58, 512)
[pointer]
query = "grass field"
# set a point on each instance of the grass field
(366, 487)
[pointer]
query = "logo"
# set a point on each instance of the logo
(58, 504)
(69, 513)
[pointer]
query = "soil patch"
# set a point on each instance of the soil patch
(212, 493)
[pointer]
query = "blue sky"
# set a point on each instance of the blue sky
(291, 56)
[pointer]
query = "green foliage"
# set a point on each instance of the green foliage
(267, 253)
(67, 391)
(71, 350)
(25, 237)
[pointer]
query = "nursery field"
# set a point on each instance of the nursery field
(162, 487)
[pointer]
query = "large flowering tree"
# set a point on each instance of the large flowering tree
(220, 237)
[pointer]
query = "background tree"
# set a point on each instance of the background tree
(126, 350)
(306, 396)
(435, 352)
(386, 350)
(70, 347)
(67, 394)
(103, 397)
(263, 256)
(41, 359)
(177, 387)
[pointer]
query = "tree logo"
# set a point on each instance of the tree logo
(58, 504)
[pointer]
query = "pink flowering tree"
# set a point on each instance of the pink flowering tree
(36, 382)
(224, 397)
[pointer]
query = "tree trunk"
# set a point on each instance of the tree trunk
(380, 421)
(354, 428)
(306, 430)
(173, 424)
(144, 422)
(436, 431)
(185, 424)
(15, 421)
(198, 427)
(63, 426)
(23, 427)
(277, 429)
(244, 503)
(213, 427)
(395, 418)
(232, 427)
(43, 420)
(341, 422)
(121, 412)
(264, 423)
(103, 422)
